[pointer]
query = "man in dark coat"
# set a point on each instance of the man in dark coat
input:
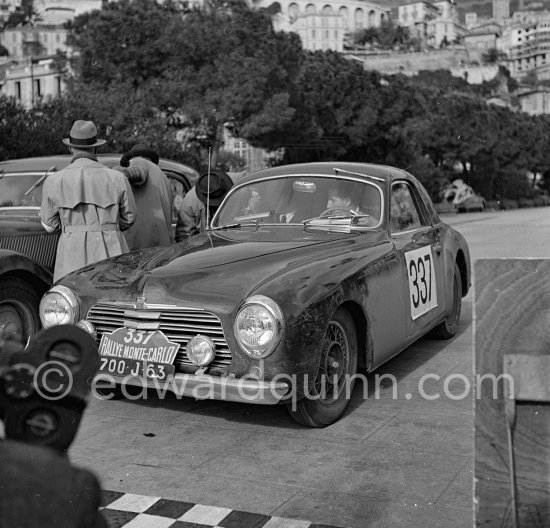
(39, 488)
(153, 195)
(193, 216)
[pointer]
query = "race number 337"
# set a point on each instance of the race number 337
(422, 283)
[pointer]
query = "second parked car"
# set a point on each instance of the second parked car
(27, 251)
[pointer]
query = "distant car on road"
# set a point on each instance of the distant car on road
(308, 273)
(471, 203)
(27, 252)
(461, 197)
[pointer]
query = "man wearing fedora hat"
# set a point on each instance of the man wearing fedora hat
(193, 216)
(90, 203)
(153, 195)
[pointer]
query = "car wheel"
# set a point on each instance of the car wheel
(330, 394)
(19, 308)
(449, 327)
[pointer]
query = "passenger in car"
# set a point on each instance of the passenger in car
(193, 216)
(153, 196)
(90, 203)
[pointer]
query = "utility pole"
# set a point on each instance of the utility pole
(32, 82)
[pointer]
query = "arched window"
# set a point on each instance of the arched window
(344, 13)
(310, 9)
(327, 10)
(372, 18)
(293, 11)
(358, 19)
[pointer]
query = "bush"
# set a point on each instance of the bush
(507, 203)
(526, 202)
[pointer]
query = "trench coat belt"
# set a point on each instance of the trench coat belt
(87, 228)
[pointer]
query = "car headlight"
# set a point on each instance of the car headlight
(258, 326)
(59, 306)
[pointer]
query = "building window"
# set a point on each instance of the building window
(37, 88)
(58, 81)
(18, 90)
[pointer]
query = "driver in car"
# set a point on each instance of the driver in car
(340, 199)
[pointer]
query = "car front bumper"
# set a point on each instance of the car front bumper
(201, 387)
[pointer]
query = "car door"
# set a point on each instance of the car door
(420, 251)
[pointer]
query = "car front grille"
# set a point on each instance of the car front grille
(40, 247)
(177, 324)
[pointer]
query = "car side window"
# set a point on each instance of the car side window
(404, 214)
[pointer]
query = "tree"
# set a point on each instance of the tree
(493, 56)
(185, 65)
(23, 14)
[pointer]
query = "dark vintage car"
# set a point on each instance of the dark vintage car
(27, 252)
(308, 273)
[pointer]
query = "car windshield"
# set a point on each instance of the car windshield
(14, 186)
(298, 199)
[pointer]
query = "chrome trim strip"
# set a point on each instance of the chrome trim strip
(204, 386)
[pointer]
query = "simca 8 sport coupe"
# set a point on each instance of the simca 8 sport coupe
(307, 274)
(27, 251)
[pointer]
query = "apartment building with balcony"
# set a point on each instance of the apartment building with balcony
(324, 26)
(434, 23)
(527, 42)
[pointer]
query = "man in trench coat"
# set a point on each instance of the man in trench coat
(153, 196)
(90, 203)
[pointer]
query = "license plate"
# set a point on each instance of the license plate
(139, 353)
(138, 369)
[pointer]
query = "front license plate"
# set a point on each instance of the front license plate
(131, 352)
(137, 369)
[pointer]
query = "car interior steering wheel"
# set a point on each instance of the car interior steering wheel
(337, 211)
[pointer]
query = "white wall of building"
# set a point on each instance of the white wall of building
(28, 83)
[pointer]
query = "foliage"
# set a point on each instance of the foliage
(149, 72)
(386, 37)
(23, 14)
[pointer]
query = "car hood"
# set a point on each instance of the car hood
(212, 269)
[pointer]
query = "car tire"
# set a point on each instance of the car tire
(327, 402)
(19, 308)
(449, 327)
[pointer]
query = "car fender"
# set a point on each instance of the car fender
(16, 264)
(309, 296)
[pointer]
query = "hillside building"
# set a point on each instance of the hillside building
(501, 10)
(434, 23)
(528, 42)
(324, 26)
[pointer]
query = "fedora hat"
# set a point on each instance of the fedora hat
(83, 135)
(142, 150)
(220, 183)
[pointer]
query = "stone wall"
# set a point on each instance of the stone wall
(411, 63)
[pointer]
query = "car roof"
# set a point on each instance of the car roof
(44, 163)
(367, 171)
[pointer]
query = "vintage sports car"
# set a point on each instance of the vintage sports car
(308, 273)
(27, 252)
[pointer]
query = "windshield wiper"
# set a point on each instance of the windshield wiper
(319, 220)
(39, 182)
(236, 225)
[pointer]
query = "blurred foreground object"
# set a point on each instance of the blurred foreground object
(43, 392)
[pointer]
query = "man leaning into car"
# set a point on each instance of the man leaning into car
(90, 203)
